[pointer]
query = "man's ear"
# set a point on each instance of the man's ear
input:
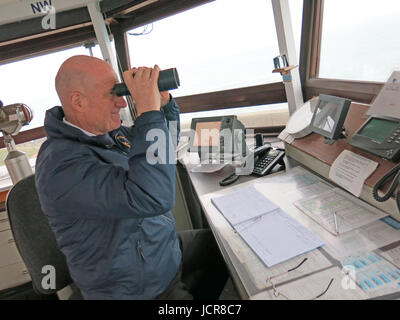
(77, 101)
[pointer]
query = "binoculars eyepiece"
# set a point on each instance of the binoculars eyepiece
(167, 80)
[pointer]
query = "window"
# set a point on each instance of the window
(359, 40)
(31, 81)
(222, 45)
(226, 44)
(30, 148)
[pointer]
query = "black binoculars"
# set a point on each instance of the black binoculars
(167, 80)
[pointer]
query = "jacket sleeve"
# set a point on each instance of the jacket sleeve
(171, 113)
(82, 185)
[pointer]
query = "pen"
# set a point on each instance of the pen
(336, 225)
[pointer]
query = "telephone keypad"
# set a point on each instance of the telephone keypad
(266, 161)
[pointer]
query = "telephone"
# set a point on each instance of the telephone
(266, 159)
(380, 135)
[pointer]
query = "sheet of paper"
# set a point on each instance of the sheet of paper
(242, 205)
(338, 212)
(276, 237)
(387, 103)
(350, 170)
(342, 288)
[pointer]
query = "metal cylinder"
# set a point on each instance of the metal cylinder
(167, 80)
(18, 166)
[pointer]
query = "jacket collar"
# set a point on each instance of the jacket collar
(56, 128)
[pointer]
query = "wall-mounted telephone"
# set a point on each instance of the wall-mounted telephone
(266, 159)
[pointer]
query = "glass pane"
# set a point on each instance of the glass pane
(359, 39)
(222, 45)
(187, 117)
(31, 81)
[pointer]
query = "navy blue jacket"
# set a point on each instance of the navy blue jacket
(109, 207)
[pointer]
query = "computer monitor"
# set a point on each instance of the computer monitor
(329, 116)
(211, 139)
(216, 136)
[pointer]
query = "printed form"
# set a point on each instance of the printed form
(339, 212)
(272, 234)
(350, 170)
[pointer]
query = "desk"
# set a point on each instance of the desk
(249, 273)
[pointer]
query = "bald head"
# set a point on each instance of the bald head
(78, 74)
(84, 86)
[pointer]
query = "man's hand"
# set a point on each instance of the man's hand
(142, 84)
(164, 98)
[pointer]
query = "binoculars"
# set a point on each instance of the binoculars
(167, 80)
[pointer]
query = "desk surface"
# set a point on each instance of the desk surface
(250, 274)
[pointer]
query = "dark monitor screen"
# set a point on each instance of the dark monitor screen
(378, 129)
(329, 116)
(326, 114)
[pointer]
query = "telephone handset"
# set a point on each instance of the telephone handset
(266, 159)
(395, 173)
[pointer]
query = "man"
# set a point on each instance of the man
(107, 205)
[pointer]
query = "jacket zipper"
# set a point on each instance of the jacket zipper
(140, 251)
(139, 246)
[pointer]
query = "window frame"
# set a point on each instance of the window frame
(310, 52)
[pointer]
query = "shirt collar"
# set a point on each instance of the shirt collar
(84, 131)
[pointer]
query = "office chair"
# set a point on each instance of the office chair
(35, 240)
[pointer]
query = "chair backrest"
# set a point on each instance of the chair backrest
(34, 238)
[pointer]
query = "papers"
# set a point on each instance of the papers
(350, 170)
(243, 205)
(387, 103)
(276, 237)
(351, 213)
(272, 234)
